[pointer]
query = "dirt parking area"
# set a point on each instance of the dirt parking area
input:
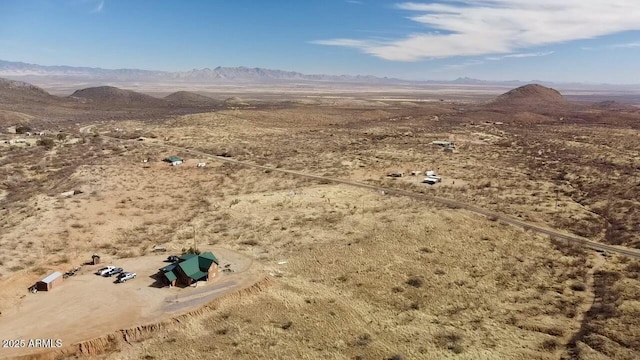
(87, 306)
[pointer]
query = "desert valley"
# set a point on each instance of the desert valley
(330, 241)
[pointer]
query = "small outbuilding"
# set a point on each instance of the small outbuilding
(95, 259)
(51, 281)
(442, 143)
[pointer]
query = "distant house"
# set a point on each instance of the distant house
(172, 159)
(190, 268)
(432, 180)
(442, 143)
(50, 282)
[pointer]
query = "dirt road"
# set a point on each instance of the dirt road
(570, 238)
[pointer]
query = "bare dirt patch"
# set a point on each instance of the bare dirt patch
(87, 306)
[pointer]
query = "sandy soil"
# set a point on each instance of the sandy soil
(86, 306)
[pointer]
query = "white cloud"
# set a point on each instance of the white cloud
(520, 55)
(99, 7)
(463, 65)
(626, 46)
(485, 27)
(355, 2)
(613, 46)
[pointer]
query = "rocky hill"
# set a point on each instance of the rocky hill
(113, 96)
(532, 98)
(17, 92)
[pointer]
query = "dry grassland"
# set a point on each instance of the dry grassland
(390, 278)
(367, 276)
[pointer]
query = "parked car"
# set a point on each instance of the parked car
(173, 258)
(126, 276)
(105, 270)
(114, 271)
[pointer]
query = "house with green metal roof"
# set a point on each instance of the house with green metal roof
(173, 158)
(190, 268)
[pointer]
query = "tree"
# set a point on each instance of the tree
(22, 129)
(46, 142)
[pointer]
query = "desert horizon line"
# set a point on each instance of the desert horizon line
(460, 79)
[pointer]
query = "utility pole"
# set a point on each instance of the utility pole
(195, 244)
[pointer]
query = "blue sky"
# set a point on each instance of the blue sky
(569, 40)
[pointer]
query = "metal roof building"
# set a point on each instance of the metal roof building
(191, 268)
(173, 159)
(50, 281)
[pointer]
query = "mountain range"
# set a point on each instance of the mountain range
(221, 75)
(11, 69)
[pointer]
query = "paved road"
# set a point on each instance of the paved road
(570, 238)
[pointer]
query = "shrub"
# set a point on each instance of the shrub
(415, 281)
(395, 357)
(363, 340)
(250, 242)
(22, 129)
(549, 345)
(451, 341)
(578, 286)
(46, 142)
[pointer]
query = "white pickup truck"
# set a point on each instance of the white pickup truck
(126, 276)
(105, 270)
